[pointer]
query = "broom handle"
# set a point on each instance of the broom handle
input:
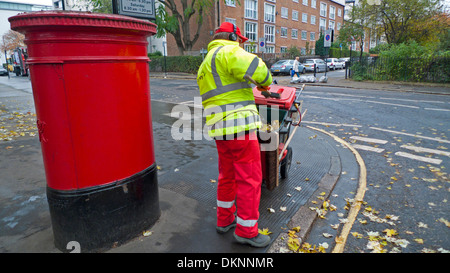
(290, 137)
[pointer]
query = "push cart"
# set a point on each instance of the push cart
(280, 114)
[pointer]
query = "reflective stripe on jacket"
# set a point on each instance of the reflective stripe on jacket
(226, 96)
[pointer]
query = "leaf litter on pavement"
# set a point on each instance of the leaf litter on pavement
(14, 125)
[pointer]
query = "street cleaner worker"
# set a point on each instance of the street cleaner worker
(232, 119)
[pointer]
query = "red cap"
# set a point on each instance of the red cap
(229, 27)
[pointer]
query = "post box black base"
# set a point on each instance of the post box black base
(101, 217)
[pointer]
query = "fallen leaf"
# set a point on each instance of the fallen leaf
(390, 232)
(264, 231)
(147, 233)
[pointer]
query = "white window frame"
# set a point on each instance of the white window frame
(267, 35)
(332, 12)
(339, 12)
(270, 49)
(247, 47)
(231, 20)
(313, 19)
(230, 3)
(251, 9)
(323, 9)
(268, 17)
(285, 30)
(312, 36)
(294, 33)
(284, 13)
(322, 24)
(283, 49)
(314, 4)
(294, 15)
(304, 17)
(331, 24)
(305, 33)
(305, 2)
(338, 26)
(254, 31)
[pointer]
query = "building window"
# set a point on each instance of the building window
(296, 1)
(269, 33)
(338, 27)
(283, 32)
(251, 31)
(332, 12)
(304, 17)
(331, 25)
(231, 3)
(283, 49)
(323, 9)
(284, 12)
(251, 9)
(270, 49)
(322, 24)
(269, 13)
(313, 20)
(294, 33)
(305, 2)
(303, 51)
(304, 34)
(340, 12)
(313, 4)
(250, 48)
(295, 15)
(312, 36)
(230, 20)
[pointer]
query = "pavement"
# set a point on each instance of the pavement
(187, 175)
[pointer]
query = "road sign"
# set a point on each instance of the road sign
(328, 38)
(262, 44)
(144, 9)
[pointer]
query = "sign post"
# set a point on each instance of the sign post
(327, 44)
(143, 9)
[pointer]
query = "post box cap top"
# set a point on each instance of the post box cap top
(76, 18)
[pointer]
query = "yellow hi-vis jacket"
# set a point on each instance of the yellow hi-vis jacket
(227, 97)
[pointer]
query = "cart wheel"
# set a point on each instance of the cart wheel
(285, 164)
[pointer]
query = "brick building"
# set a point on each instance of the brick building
(282, 23)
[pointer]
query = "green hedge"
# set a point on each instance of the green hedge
(186, 64)
(337, 53)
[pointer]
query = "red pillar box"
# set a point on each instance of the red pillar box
(90, 79)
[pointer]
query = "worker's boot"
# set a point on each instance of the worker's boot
(259, 241)
(225, 229)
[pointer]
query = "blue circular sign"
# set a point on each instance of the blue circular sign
(261, 44)
(327, 37)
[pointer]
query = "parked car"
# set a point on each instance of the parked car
(282, 67)
(334, 64)
(3, 71)
(309, 65)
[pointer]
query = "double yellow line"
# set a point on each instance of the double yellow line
(342, 238)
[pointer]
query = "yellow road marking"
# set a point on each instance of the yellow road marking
(342, 239)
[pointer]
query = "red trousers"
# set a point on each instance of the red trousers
(239, 184)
